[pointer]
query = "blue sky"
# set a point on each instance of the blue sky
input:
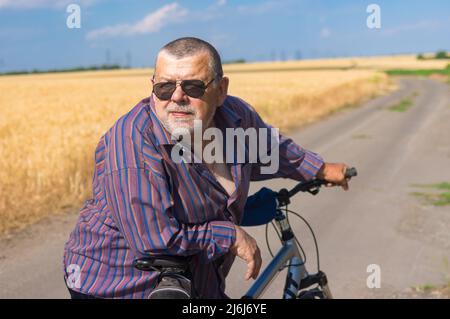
(34, 34)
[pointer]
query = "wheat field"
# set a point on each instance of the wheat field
(50, 123)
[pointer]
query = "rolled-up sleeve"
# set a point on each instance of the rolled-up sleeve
(297, 162)
(141, 205)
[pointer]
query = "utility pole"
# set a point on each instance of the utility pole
(107, 57)
(128, 59)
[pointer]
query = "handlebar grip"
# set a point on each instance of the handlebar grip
(350, 172)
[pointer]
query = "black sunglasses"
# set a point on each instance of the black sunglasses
(193, 88)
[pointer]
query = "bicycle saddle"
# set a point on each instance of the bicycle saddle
(161, 262)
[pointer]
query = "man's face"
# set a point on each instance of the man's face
(181, 110)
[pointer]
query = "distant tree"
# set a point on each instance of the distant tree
(420, 57)
(76, 69)
(442, 55)
(234, 61)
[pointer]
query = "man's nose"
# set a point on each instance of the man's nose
(179, 95)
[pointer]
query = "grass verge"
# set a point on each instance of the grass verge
(433, 290)
(402, 106)
(439, 73)
(420, 72)
(436, 199)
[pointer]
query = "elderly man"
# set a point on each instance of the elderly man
(147, 204)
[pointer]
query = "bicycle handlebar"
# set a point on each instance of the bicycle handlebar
(351, 172)
(315, 183)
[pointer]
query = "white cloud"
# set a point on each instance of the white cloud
(152, 22)
(325, 33)
(33, 4)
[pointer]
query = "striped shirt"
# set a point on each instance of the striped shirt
(144, 204)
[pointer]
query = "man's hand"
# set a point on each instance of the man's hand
(334, 173)
(246, 248)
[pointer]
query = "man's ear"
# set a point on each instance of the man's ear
(223, 89)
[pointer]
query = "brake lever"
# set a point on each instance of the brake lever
(314, 191)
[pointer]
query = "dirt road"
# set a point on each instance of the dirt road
(377, 222)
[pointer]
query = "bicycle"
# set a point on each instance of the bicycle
(261, 209)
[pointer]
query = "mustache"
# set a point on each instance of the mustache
(181, 108)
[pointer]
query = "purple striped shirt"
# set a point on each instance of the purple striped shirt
(145, 204)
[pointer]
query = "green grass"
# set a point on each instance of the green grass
(442, 290)
(402, 106)
(425, 287)
(444, 185)
(443, 199)
(419, 72)
(437, 291)
(436, 199)
(360, 136)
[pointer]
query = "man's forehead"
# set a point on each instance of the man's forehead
(171, 67)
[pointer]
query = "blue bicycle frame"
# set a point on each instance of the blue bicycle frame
(297, 277)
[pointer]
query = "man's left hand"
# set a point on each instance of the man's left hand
(334, 174)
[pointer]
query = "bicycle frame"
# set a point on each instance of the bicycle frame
(297, 277)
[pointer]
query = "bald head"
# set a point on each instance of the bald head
(190, 46)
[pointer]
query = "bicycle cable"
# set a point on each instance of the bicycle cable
(296, 240)
(303, 254)
(312, 233)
